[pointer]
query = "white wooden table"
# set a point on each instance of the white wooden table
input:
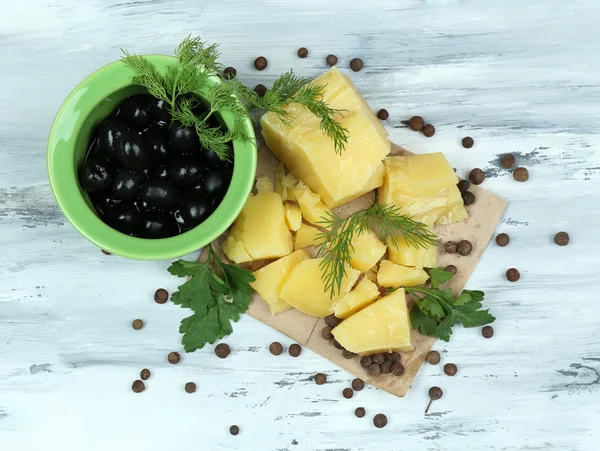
(517, 76)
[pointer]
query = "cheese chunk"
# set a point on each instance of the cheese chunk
(371, 274)
(293, 216)
(264, 185)
(368, 250)
(262, 230)
(404, 254)
(455, 208)
(364, 293)
(304, 288)
(313, 210)
(269, 280)
(396, 276)
(383, 326)
(311, 155)
(306, 236)
(280, 187)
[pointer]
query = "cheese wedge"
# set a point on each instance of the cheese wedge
(404, 254)
(368, 250)
(306, 236)
(395, 276)
(293, 216)
(383, 326)
(364, 293)
(313, 210)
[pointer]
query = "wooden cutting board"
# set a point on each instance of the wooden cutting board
(484, 216)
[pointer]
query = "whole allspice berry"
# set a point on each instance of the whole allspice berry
(451, 268)
(276, 348)
(435, 393)
(138, 386)
(137, 324)
(222, 350)
(374, 370)
(451, 247)
(502, 239)
(394, 357)
(450, 369)
(229, 72)
(428, 130)
(386, 367)
(174, 358)
(476, 176)
(397, 369)
(378, 358)
(416, 123)
(463, 185)
(521, 174)
(347, 354)
(320, 378)
(366, 361)
(508, 160)
(433, 357)
(302, 52)
(234, 430)
(356, 64)
(331, 60)
(260, 89)
(326, 333)
(332, 321)
(360, 412)
(467, 142)
(465, 247)
(161, 296)
(145, 374)
(190, 387)
(295, 350)
(383, 114)
(380, 420)
(513, 275)
(468, 197)
(337, 344)
(348, 393)
(487, 331)
(260, 63)
(562, 238)
(358, 384)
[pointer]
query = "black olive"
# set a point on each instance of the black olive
(158, 172)
(109, 135)
(135, 112)
(132, 152)
(103, 203)
(157, 224)
(183, 140)
(95, 174)
(126, 184)
(194, 209)
(212, 161)
(160, 194)
(160, 112)
(123, 217)
(185, 171)
(142, 205)
(158, 145)
(216, 184)
(183, 226)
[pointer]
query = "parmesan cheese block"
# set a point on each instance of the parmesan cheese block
(368, 250)
(311, 155)
(364, 293)
(264, 185)
(313, 210)
(306, 236)
(293, 216)
(404, 254)
(383, 326)
(396, 276)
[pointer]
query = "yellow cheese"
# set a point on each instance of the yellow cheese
(261, 228)
(304, 289)
(455, 208)
(280, 187)
(290, 182)
(269, 280)
(311, 155)
(383, 326)
(364, 293)
(368, 250)
(404, 254)
(371, 274)
(264, 185)
(306, 236)
(395, 276)
(293, 216)
(313, 210)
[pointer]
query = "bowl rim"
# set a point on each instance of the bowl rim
(62, 172)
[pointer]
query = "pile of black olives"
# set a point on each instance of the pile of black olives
(149, 178)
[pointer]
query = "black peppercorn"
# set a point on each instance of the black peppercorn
(261, 90)
(428, 130)
(326, 333)
(347, 354)
(190, 387)
(332, 321)
(302, 52)
(295, 350)
(450, 369)
(380, 420)
(476, 176)
(468, 197)
(138, 386)
(229, 72)
(464, 248)
(358, 384)
(397, 369)
(261, 63)
(463, 185)
(374, 370)
(451, 247)
(137, 324)
(435, 393)
(174, 358)
(234, 430)
(337, 344)
(521, 174)
(562, 238)
(416, 123)
(467, 142)
(433, 357)
(366, 361)
(508, 161)
(348, 393)
(378, 358)
(276, 348)
(383, 114)
(145, 374)
(161, 296)
(487, 331)
(222, 350)
(360, 412)
(452, 269)
(394, 357)
(320, 378)
(331, 60)
(502, 239)
(513, 275)
(356, 64)
(385, 367)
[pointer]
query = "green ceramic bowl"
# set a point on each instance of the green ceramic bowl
(79, 116)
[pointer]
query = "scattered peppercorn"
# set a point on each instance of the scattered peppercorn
(374, 370)
(261, 63)
(320, 378)
(513, 275)
(502, 239)
(383, 114)
(452, 269)
(463, 185)
(508, 160)
(222, 350)
(337, 345)
(161, 296)
(105, 252)
(234, 430)
(229, 72)
(347, 354)
(394, 357)
(366, 361)
(260, 89)
(465, 247)
(468, 197)
(145, 374)
(521, 174)
(477, 176)
(137, 324)
(326, 333)
(190, 387)
(359, 412)
(378, 358)
(385, 367)
(356, 64)
(561, 238)
(332, 321)
(138, 386)
(302, 52)
(451, 247)
(467, 142)
(174, 358)
(487, 331)
(433, 357)
(348, 393)
(435, 393)
(428, 130)
(276, 348)
(380, 420)
(397, 369)
(295, 350)
(331, 60)
(358, 384)
(416, 123)
(450, 369)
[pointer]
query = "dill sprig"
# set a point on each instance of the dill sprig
(336, 242)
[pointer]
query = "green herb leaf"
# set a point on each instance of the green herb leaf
(439, 276)
(422, 322)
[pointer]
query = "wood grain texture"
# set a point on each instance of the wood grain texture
(516, 76)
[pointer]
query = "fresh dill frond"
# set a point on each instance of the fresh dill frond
(146, 75)
(336, 242)
(195, 51)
